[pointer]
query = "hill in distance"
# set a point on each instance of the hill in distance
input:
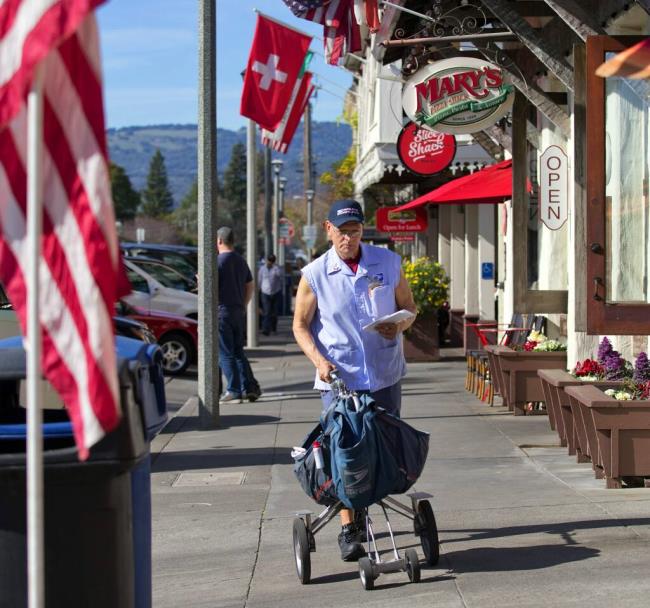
(133, 147)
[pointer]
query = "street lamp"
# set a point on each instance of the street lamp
(310, 216)
(277, 167)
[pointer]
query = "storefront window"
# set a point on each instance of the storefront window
(617, 171)
(626, 189)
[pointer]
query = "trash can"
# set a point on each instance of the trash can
(89, 509)
(145, 363)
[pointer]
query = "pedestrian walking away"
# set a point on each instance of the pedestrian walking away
(270, 281)
(235, 292)
(339, 293)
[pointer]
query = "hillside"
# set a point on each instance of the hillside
(132, 148)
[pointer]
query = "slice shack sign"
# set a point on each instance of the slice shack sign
(460, 95)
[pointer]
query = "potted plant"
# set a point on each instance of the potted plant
(607, 370)
(429, 285)
(517, 368)
(617, 429)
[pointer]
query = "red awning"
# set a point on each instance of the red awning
(488, 186)
(630, 63)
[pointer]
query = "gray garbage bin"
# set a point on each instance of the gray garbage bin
(88, 505)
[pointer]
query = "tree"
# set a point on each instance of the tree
(185, 216)
(157, 199)
(234, 191)
(125, 197)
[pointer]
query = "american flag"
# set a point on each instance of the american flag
(79, 269)
(340, 20)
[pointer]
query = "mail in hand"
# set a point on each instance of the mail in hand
(382, 301)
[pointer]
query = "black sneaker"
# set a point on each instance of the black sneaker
(253, 396)
(360, 525)
(351, 548)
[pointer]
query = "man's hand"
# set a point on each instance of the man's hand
(324, 368)
(388, 330)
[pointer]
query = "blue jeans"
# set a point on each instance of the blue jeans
(270, 308)
(390, 398)
(232, 359)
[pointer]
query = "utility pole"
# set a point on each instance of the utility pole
(208, 363)
(282, 247)
(251, 235)
(268, 205)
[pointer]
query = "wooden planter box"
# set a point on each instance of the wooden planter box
(421, 339)
(516, 370)
(617, 433)
(561, 406)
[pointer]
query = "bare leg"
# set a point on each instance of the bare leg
(347, 516)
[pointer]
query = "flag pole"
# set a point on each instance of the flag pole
(35, 527)
(251, 233)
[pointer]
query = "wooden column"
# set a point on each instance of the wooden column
(457, 264)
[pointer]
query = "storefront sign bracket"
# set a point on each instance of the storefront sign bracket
(537, 97)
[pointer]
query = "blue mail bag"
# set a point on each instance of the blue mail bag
(317, 483)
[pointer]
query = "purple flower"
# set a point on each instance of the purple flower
(616, 368)
(642, 368)
(604, 350)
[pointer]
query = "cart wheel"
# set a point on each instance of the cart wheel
(426, 528)
(301, 551)
(412, 565)
(366, 574)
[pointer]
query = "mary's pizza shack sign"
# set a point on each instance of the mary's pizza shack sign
(461, 95)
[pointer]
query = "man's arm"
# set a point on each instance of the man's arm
(248, 292)
(306, 304)
(404, 300)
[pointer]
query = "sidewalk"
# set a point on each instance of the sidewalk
(521, 523)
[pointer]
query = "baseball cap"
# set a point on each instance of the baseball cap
(345, 211)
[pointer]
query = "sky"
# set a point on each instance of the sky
(149, 54)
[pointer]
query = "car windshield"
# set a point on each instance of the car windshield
(167, 277)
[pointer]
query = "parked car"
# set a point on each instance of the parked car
(165, 274)
(157, 293)
(177, 336)
(180, 258)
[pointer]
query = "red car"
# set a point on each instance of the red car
(177, 336)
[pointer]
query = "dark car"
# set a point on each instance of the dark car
(181, 258)
(177, 336)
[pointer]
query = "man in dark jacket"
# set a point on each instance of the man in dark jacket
(235, 292)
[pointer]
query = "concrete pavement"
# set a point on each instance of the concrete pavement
(521, 524)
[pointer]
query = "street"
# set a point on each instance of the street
(521, 524)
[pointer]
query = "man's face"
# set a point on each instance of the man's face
(346, 238)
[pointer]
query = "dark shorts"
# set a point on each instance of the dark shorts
(390, 398)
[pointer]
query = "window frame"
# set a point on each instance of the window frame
(603, 317)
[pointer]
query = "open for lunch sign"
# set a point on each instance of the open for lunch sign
(425, 152)
(410, 220)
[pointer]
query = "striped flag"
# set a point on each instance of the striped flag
(341, 33)
(79, 269)
(280, 139)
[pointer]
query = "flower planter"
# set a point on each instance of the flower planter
(421, 339)
(517, 370)
(560, 406)
(618, 433)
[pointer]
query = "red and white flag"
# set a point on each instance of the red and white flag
(281, 138)
(274, 64)
(79, 269)
(341, 33)
(366, 13)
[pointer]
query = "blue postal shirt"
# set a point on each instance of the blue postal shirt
(347, 302)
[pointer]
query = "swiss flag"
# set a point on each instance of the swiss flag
(274, 65)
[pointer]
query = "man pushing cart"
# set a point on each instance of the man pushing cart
(342, 298)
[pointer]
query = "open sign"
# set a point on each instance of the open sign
(411, 220)
(553, 188)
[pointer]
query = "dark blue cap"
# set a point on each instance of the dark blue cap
(345, 211)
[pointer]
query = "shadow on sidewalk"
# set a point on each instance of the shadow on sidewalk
(220, 457)
(509, 559)
(184, 424)
(564, 529)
